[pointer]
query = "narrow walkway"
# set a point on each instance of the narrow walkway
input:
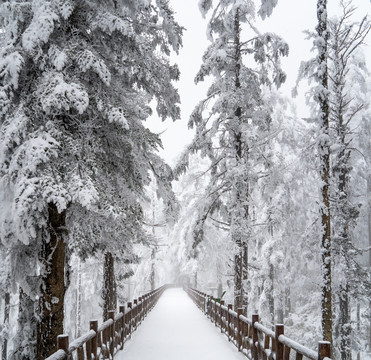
(177, 330)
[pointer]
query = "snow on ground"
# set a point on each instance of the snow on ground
(177, 329)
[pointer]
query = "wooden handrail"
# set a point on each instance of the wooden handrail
(104, 341)
(251, 337)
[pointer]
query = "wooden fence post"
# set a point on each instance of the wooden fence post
(135, 315)
(111, 315)
(239, 329)
(221, 315)
(255, 318)
(324, 350)
(130, 314)
(139, 311)
(229, 322)
(279, 330)
(122, 333)
(94, 340)
(62, 343)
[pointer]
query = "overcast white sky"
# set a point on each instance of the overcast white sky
(289, 19)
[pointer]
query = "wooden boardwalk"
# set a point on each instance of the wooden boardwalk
(177, 330)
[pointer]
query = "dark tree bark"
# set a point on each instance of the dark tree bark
(241, 258)
(51, 303)
(24, 342)
(4, 351)
(324, 154)
(109, 285)
(345, 326)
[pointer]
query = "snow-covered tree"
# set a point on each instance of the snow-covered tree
(317, 70)
(232, 122)
(76, 80)
(336, 114)
(345, 107)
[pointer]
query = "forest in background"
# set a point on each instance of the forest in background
(269, 207)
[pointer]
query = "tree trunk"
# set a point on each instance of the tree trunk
(240, 278)
(345, 327)
(324, 153)
(78, 300)
(270, 296)
(242, 210)
(24, 342)
(4, 351)
(287, 301)
(109, 285)
(358, 327)
(51, 303)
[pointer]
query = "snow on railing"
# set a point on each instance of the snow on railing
(105, 341)
(251, 337)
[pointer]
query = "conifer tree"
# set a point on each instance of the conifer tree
(233, 119)
(76, 79)
(335, 112)
(346, 38)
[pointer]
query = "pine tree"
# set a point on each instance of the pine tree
(230, 134)
(76, 80)
(345, 39)
(336, 110)
(324, 160)
(317, 69)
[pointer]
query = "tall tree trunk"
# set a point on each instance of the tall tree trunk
(24, 343)
(4, 351)
(287, 301)
(270, 293)
(51, 303)
(242, 210)
(268, 285)
(345, 327)
(109, 285)
(78, 300)
(324, 153)
(358, 327)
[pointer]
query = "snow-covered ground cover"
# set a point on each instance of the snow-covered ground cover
(177, 329)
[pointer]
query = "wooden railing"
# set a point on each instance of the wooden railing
(104, 341)
(255, 340)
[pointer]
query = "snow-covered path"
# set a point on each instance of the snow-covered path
(177, 330)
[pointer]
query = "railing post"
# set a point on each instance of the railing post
(111, 315)
(130, 314)
(239, 329)
(255, 318)
(324, 350)
(122, 333)
(135, 313)
(94, 340)
(139, 310)
(62, 343)
(212, 315)
(221, 315)
(279, 330)
(229, 322)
